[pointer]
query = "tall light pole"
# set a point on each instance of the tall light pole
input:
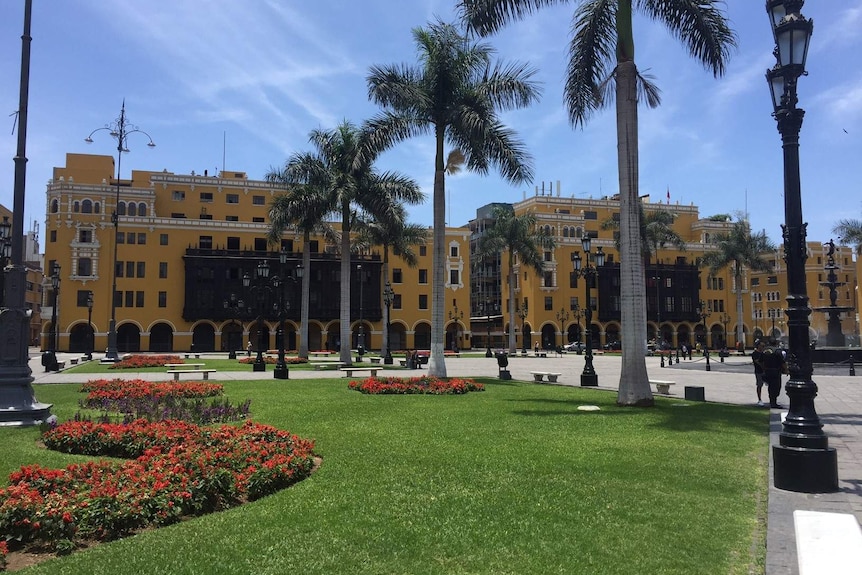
(589, 378)
(772, 314)
(360, 337)
(388, 298)
(456, 315)
(18, 403)
(803, 460)
(562, 317)
(120, 129)
(703, 313)
(49, 358)
(657, 279)
(92, 338)
(488, 307)
(281, 370)
(522, 313)
(258, 288)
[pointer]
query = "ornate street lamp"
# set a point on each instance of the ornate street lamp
(360, 337)
(259, 290)
(92, 338)
(388, 298)
(120, 130)
(803, 460)
(5, 254)
(487, 308)
(456, 315)
(281, 370)
(562, 317)
(589, 378)
(49, 358)
(237, 306)
(522, 313)
(703, 313)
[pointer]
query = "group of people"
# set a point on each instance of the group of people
(769, 363)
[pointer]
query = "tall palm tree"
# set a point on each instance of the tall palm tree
(602, 56)
(455, 93)
(395, 235)
(656, 231)
(511, 234)
(849, 231)
(739, 249)
(303, 206)
(342, 168)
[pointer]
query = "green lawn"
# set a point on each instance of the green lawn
(511, 480)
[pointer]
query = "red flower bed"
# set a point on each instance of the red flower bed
(112, 389)
(266, 359)
(176, 470)
(413, 385)
(139, 361)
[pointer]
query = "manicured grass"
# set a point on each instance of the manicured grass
(511, 480)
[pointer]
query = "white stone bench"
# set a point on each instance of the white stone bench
(662, 386)
(540, 375)
(205, 372)
(349, 371)
(828, 543)
(327, 366)
(183, 365)
(320, 353)
(375, 359)
(74, 361)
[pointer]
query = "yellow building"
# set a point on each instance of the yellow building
(33, 277)
(183, 245)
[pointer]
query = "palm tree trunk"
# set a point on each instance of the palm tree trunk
(346, 341)
(512, 348)
(437, 363)
(634, 386)
(305, 287)
(385, 327)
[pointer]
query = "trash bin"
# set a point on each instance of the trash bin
(502, 364)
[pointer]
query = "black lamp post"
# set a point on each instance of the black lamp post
(803, 460)
(522, 313)
(281, 370)
(488, 308)
(388, 298)
(772, 315)
(92, 339)
(360, 337)
(259, 289)
(589, 378)
(457, 315)
(120, 129)
(562, 317)
(236, 305)
(49, 358)
(703, 313)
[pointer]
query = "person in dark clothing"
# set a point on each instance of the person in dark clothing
(757, 360)
(774, 365)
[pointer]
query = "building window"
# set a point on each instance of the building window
(133, 209)
(86, 207)
(130, 299)
(121, 209)
(589, 215)
(771, 280)
(85, 236)
(130, 269)
(163, 299)
(396, 301)
(453, 251)
(258, 220)
(179, 196)
(118, 270)
(142, 239)
(231, 218)
(260, 244)
(83, 294)
(178, 215)
(423, 251)
(163, 270)
(453, 277)
(76, 207)
(232, 198)
(548, 279)
(548, 257)
(423, 276)
(423, 301)
(142, 269)
(549, 303)
(258, 200)
(397, 276)
(55, 206)
(232, 243)
(53, 236)
(130, 238)
(121, 237)
(573, 280)
(163, 239)
(85, 267)
(206, 197)
(205, 242)
(142, 209)
(139, 299)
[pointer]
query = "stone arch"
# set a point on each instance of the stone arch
(80, 338)
(232, 336)
(161, 337)
(203, 337)
(422, 335)
(548, 336)
(128, 337)
(612, 333)
(55, 206)
(397, 336)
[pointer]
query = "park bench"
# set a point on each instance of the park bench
(349, 371)
(183, 365)
(662, 386)
(197, 355)
(327, 366)
(204, 372)
(74, 361)
(540, 375)
(375, 359)
(320, 353)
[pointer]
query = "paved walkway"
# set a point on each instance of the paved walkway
(839, 405)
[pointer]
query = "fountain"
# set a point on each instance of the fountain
(836, 348)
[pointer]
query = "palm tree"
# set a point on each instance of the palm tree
(513, 235)
(602, 56)
(849, 231)
(455, 93)
(305, 207)
(656, 231)
(396, 235)
(739, 249)
(342, 168)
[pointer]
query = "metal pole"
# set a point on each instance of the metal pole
(92, 338)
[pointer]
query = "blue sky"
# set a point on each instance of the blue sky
(247, 81)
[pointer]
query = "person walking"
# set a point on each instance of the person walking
(774, 365)
(757, 360)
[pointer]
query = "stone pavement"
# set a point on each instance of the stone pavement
(839, 405)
